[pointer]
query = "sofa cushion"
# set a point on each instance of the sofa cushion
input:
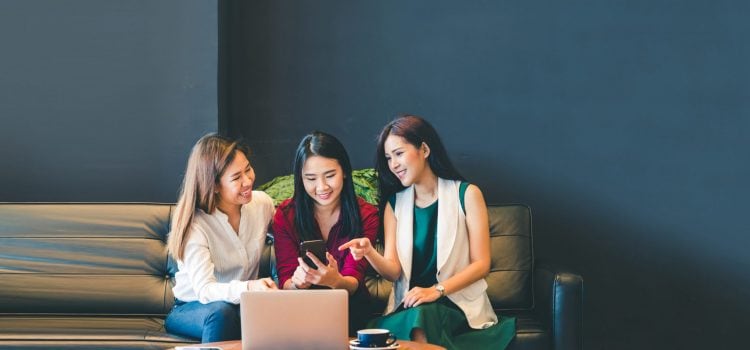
(84, 259)
(86, 332)
(531, 333)
(510, 278)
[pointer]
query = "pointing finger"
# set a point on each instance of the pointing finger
(347, 245)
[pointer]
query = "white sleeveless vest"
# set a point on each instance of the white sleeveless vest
(452, 253)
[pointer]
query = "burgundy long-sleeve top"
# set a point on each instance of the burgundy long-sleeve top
(286, 241)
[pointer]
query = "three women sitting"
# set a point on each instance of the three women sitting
(435, 226)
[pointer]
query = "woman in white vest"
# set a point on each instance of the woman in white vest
(436, 236)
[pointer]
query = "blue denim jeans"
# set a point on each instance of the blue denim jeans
(212, 322)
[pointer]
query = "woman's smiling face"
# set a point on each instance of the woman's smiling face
(236, 183)
(323, 179)
(405, 160)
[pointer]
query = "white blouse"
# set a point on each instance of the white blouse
(218, 262)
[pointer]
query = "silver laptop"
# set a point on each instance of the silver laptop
(295, 319)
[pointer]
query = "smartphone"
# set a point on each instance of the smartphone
(317, 247)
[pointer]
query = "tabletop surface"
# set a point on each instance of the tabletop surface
(404, 345)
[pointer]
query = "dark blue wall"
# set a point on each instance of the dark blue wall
(622, 123)
(102, 100)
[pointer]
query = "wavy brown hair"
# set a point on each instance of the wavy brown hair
(207, 162)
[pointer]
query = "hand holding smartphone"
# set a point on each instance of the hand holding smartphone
(317, 247)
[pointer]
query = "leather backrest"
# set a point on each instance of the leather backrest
(112, 259)
(84, 258)
(510, 278)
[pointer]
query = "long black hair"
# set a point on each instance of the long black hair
(415, 130)
(324, 145)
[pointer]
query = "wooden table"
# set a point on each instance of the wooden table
(405, 345)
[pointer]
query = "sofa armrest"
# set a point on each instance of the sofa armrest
(559, 301)
(267, 266)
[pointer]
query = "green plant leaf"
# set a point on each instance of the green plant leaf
(365, 182)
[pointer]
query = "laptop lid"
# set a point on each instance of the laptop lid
(295, 319)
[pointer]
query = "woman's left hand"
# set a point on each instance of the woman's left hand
(261, 284)
(418, 296)
(325, 275)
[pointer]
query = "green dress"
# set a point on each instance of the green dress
(443, 322)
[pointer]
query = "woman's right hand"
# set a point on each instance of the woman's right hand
(298, 279)
(358, 247)
(261, 284)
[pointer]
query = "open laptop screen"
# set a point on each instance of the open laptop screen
(295, 319)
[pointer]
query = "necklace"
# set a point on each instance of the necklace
(425, 201)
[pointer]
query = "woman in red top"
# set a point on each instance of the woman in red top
(324, 207)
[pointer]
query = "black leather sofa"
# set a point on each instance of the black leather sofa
(85, 276)
(97, 276)
(546, 302)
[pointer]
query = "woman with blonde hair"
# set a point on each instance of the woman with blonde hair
(218, 232)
